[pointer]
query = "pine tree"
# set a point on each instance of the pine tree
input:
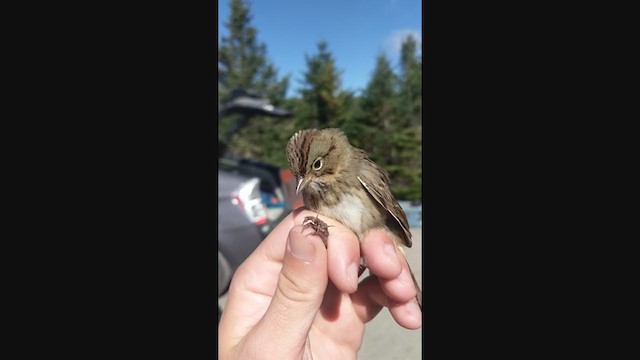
(410, 87)
(375, 120)
(242, 60)
(243, 63)
(380, 130)
(323, 103)
(408, 137)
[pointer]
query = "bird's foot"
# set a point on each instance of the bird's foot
(319, 227)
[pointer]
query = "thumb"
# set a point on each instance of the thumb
(298, 296)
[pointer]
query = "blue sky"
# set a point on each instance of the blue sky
(356, 31)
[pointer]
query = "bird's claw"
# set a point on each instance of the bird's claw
(319, 227)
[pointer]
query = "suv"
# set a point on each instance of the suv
(243, 217)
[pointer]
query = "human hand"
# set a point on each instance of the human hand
(282, 305)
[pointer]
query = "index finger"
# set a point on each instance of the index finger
(343, 250)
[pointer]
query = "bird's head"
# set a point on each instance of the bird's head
(317, 156)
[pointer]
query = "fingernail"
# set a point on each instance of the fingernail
(307, 231)
(390, 251)
(302, 248)
(352, 275)
(414, 310)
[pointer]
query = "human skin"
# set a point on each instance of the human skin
(295, 299)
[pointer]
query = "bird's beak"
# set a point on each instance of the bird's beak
(301, 184)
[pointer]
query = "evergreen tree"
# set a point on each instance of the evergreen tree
(372, 125)
(408, 137)
(410, 86)
(243, 63)
(323, 103)
(380, 130)
(242, 60)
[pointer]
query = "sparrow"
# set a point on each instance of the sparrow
(340, 181)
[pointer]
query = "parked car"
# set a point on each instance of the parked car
(241, 214)
(250, 199)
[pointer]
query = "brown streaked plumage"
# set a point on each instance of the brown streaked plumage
(340, 181)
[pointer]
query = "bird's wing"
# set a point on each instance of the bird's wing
(378, 189)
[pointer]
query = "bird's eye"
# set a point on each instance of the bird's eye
(317, 165)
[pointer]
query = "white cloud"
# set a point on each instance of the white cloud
(393, 42)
